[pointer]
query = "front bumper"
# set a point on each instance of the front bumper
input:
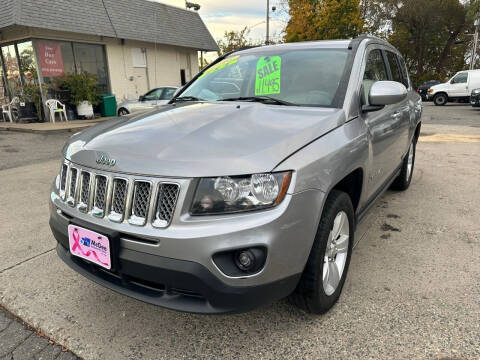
(475, 100)
(187, 279)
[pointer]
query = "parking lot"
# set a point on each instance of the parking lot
(412, 291)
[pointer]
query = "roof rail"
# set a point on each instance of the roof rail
(368, 36)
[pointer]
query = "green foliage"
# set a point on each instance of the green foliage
(426, 33)
(78, 88)
(323, 20)
(31, 93)
(233, 40)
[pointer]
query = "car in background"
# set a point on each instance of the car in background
(422, 90)
(475, 98)
(458, 88)
(153, 98)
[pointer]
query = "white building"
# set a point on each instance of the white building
(130, 45)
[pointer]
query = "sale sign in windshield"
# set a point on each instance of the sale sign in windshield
(50, 58)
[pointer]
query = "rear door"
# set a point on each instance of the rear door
(459, 85)
(401, 111)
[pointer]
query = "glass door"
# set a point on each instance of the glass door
(3, 89)
(14, 82)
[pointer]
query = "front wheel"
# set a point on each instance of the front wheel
(123, 112)
(326, 270)
(440, 99)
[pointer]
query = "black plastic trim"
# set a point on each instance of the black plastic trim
(175, 284)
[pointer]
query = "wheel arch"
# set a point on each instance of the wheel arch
(352, 185)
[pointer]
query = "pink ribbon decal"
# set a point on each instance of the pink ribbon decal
(76, 239)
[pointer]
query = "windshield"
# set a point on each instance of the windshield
(300, 77)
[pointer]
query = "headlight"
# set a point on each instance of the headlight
(231, 194)
(476, 91)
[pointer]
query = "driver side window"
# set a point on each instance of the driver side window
(153, 95)
(375, 70)
(460, 78)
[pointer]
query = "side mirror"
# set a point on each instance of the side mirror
(384, 93)
(141, 98)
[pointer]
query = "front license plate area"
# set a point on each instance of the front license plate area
(90, 245)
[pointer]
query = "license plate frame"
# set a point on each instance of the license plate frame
(90, 245)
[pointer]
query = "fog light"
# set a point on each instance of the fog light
(245, 260)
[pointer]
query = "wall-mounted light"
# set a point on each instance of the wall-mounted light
(190, 5)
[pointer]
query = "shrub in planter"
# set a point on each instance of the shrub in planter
(30, 102)
(82, 91)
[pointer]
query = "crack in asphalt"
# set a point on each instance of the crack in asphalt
(26, 260)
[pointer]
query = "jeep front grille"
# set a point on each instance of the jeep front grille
(133, 199)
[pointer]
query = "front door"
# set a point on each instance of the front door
(382, 126)
(459, 85)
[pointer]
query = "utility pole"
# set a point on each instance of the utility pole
(268, 23)
(475, 41)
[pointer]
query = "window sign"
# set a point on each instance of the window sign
(268, 75)
(50, 58)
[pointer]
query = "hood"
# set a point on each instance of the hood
(439, 87)
(202, 139)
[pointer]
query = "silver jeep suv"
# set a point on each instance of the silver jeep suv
(247, 187)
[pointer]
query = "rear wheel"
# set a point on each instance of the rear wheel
(440, 99)
(325, 272)
(402, 182)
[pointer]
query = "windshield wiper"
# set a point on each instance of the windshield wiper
(262, 99)
(187, 98)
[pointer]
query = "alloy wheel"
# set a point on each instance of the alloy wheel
(336, 253)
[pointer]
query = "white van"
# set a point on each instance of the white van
(458, 88)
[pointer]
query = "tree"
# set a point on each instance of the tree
(428, 33)
(233, 40)
(323, 20)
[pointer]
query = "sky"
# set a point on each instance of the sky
(225, 15)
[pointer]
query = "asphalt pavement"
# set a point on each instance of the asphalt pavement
(412, 290)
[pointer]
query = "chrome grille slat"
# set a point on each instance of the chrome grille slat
(100, 198)
(166, 203)
(63, 180)
(119, 197)
(84, 199)
(141, 201)
(137, 200)
(73, 186)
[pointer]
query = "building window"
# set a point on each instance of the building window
(14, 83)
(3, 89)
(139, 57)
(27, 63)
(90, 58)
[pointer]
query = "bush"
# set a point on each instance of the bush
(80, 87)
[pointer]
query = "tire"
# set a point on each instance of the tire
(311, 294)
(402, 182)
(440, 99)
(122, 112)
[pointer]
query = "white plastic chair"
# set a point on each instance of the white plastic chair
(8, 109)
(55, 106)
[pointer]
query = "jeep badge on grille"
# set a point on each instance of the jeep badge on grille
(105, 160)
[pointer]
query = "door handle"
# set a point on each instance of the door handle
(396, 114)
